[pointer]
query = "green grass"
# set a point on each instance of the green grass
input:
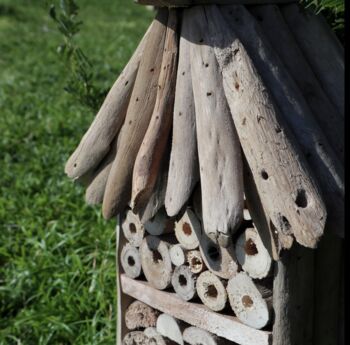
(57, 255)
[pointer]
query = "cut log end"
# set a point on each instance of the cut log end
(188, 230)
(195, 261)
(130, 261)
(184, 282)
(133, 229)
(135, 338)
(140, 315)
(177, 255)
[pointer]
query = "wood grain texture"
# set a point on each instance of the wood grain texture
(195, 314)
(194, 335)
(183, 167)
(322, 49)
(141, 105)
(296, 114)
(219, 151)
(97, 140)
(283, 42)
(282, 176)
(149, 158)
(170, 328)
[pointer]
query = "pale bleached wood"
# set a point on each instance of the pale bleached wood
(153, 147)
(140, 315)
(133, 229)
(284, 43)
(195, 314)
(212, 291)
(219, 150)
(170, 328)
(96, 141)
(131, 261)
(184, 282)
(188, 230)
(219, 260)
(195, 261)
(194, 335)
(142, 101)
(183, 167)
(177, 255)
(283, 178)
(296, 114)
(155, 261)
(252, 254)
(135, 338)
(247, 302)
(293, 297)
(156, 338)
(186, 3)
(322, 49)
(160, 224)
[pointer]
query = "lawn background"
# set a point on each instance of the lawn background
(57, 255)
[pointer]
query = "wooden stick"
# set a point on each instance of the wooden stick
(140, 315)
(96, 142)
(195, 261)
(156, 263)
(161, 224)
(290, 196)
(295, 114)
(314, 35)
(142, 101)
(188, 230)
(228, 327)
(247, 302)
(293, 295)
(131, 261)
(177, 255)
(184, 282)
(219, 260)
(170, 328)
(252, 255)
(133, 229)
(149, 157)
(156, 338)
(219, 150)
(212, 291)
(135, 338)
(185, 3)
(194, 335)
(183, 167)
(285, 45)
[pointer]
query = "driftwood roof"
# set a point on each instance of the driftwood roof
(230, 104)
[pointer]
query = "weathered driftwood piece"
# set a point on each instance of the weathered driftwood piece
(185, 3)
(155, 338)
(183, 167)
(290, 196)
(293, 296)
(225, 326)
(252, 255)
(96, 142)
(219, 150)
(96, 188)
(155, 261)
(194, 335)
(247, 301)
(177, 255)
(149, 157)
(188, 230)
(160, 224)
(221, 261)
(284, 43)
(212, 291)
(314, 35)
(141, 105)
(170, 328)
(328, 262)
(295, 114)
(184, 282)
(135, 338)
(133, 229)
(140, 315)
(131, 261)
(195, 261)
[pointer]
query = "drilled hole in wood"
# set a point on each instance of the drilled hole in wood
(137, 99)
(156, 256)
(182, 280)
(206, 65)
(250, 247)
(301, 199)
(132, 228)
(186, 228)
(151, 70)
(75, 165)
(208, 94)
(211, 291)
(237, 86)
(264, 174)
(131, 261)
(196, 263)
(247, 301)
(213, 253)
(126, 83)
